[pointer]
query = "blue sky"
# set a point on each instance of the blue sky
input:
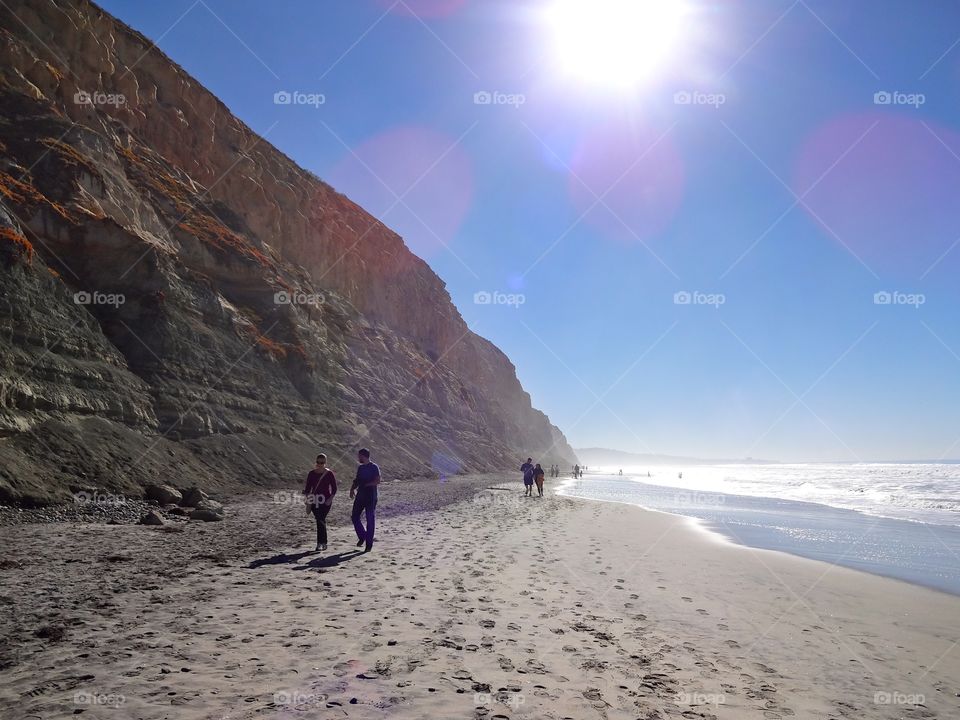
(779, 200)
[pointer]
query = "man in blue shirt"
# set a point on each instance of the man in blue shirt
(364, 490)
(527, 470)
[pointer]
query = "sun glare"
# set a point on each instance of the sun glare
(619, 43)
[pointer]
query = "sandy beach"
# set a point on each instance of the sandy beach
(490, 606)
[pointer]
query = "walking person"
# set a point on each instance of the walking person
(364, 495)
(318, 494)
(527, 470)
(538, 479)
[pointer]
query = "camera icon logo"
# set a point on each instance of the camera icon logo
(282, 298)
(82, 298)
(482, 298)
(682, 298)
(882, 298)
(882, 98)
(282, 97)
(482, 98)
(684, 97)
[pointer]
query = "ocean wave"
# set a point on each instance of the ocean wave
(921, 492)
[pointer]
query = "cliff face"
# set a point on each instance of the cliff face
(148, 242)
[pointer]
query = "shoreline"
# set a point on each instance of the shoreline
(922, 554)
(493, 606)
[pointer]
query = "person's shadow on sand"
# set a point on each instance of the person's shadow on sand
(324, 561)
(279, 559)
(330, 560)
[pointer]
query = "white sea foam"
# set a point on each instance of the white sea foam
(921, 492)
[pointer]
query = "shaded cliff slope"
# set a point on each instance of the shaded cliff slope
(147, 247)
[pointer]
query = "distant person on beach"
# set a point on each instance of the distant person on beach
(318, 494)
(364, 495)
(538, 479)
(621, 471)
(576, 470)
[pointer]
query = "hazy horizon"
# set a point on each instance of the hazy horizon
(747, 251)
(778, 461)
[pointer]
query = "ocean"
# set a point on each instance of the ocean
(901, 520)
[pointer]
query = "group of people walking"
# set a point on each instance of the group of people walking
(321, 487)
(533, 475)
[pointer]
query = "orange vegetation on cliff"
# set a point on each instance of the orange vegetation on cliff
(70, 156)
(21, 246)
(27, 196)
(220, 236)
(193, 217)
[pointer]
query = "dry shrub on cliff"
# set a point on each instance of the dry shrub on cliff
(27, 197)
(15, 245)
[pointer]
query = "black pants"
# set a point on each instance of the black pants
(320, 513)
(365, 502)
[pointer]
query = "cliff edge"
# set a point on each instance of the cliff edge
(179, 301)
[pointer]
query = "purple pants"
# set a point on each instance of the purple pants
(365, 502)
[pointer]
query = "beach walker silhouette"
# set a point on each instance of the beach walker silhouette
(527, 470)
(364, 492)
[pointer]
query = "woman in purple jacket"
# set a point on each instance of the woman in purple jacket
(318, 495)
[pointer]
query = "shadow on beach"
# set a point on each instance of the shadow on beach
(279, 559)
(320, 562)
(330, 560)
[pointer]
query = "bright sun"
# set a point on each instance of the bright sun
(615, 42)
